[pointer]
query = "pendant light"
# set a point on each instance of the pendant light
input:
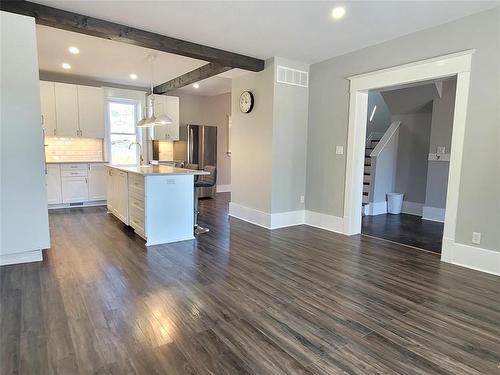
(152, 120)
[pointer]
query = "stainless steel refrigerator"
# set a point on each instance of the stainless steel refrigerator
(198, 145)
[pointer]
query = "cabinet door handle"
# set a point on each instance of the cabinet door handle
(42, 120)
(86, 180)
(55, 131)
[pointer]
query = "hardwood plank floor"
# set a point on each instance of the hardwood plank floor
(405, 229)
(242, 300)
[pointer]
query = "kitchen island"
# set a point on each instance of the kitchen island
(156, 200)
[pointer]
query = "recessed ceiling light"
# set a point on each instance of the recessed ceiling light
(338, 12)
(196, 86)
(74, 50)
(133, 76)
(66, 66)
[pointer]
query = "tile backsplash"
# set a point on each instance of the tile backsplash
(73, 149)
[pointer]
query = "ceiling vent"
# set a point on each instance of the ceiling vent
(292, 76)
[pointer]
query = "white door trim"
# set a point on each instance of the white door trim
(458, 64)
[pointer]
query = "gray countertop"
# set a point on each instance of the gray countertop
(77, 162)
(157, 170)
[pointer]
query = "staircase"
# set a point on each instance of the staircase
(370, 145)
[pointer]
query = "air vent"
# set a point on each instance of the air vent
(292, 76)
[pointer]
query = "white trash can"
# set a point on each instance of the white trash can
(394, 203)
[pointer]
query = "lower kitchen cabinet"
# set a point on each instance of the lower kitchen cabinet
(117, 194)
(83, 183)
(75, 189)
(97, 182)
(53, 181)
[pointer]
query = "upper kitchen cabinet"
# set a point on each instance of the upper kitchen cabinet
(168, 105)
(66, 110)
(72, 110)
(48, 104)
(91, 112)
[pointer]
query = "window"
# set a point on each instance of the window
(122, 118)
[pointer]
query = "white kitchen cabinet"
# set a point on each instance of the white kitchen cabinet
(121, 198)
(110, 190)
(53, 181)
(48, 106)
(75, 189)
(90, 112)
(117, 194)
(168, 105)
(66, 110)
(97, 182)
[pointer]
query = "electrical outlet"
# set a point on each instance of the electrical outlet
(339, 150)
(302, 199)
(476, 238)
(441, 149)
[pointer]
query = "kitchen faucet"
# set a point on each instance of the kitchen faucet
(140, 148)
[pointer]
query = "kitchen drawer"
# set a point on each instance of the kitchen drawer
(136, 189)
(137, 223)
(136, 194)
(74, 166)
(136, 204)
(74, 173)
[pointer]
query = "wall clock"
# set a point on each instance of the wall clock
(246, 102)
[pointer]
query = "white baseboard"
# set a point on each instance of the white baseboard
(286, 219)
(324, 221)
(68, 205)
(24, 257)
(223, 188)
(251, 215)
(376, 208)
(433, 213)
(479, 259)
(412, 208)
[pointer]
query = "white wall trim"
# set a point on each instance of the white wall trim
(458, 64)
(479, 259)
(377, 208)
(223, 188)
(323, 221)
(286, 219)
(433, 213)
(260, 218)
(412, 208)
(55, 206)
(24, 257)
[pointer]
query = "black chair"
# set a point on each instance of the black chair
(203, 181)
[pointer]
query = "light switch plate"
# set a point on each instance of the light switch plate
(476, 238)
(302, 199)
(339, 150)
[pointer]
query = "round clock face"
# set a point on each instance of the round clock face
(246, 101)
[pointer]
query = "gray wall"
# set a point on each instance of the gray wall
(479, 201)
(251, 141)
(213, 111)
(441, 131)
(289, 143)
(382, 117)
(413, 151)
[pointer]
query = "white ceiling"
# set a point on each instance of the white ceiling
(300, 30)
(106, 60)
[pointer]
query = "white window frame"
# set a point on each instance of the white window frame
(137, 133)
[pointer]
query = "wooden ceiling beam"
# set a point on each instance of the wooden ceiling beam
(203, 72)
(61, 19)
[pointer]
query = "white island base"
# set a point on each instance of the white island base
(157, 201)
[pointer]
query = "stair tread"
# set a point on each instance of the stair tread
(366, 174)
(368, 165)
(366, 183)
(365, 193)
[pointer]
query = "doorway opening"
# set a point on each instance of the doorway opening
(453, 65)
(406, 165)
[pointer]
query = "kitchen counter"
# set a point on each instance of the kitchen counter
(157, 170)
(77, 162)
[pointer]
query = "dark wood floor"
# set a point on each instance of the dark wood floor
(405, 229)
(242, 300)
